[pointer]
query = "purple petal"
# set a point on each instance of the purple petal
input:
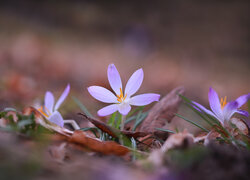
(242, 99)
(56, 118)
(144, 99)
(114, 79)
(134, 82)
(242, 112)
(215, 103)
(124, 108)
(230, 109)
(102, 94)
(108, 110)
(49, 102)
(62, 97)
(203, 109)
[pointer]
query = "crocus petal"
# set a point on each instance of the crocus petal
(62, 97)
(203, 109)
(215, 103)
(56, 118)
(49, 102)
(134, 82)
(242, 99)
(230, 109)
(124, 108)
(242, 112)
(102, 94)
(108, 110)
(144, 99)
(114, 79)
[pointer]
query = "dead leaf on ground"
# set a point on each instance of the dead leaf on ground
(241, 127)
(79, 137)
(183, 139)
(113, 131)
(105, 147)
(163, 111)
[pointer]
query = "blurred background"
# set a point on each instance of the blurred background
(196, 44)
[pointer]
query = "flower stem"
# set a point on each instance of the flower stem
(123, 122)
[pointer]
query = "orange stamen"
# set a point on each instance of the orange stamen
(223, 102)
(120, 97)
(41, 110)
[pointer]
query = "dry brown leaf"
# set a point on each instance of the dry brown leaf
(105, 147)
(113, 131)
(174, 141)
(241, 125)
(79, 137)
(178, 140)
(163, 111)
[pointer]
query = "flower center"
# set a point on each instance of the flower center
(223, 102)
(42, 110)
(120, 97)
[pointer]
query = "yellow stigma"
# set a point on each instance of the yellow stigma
(223, 102)
(120, 97)
(41, 110)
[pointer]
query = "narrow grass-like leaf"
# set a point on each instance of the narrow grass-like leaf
(134, 147)
(118, 120)
(82, 107)
(165, 130)
(196, 109)
(192, 122)
(92, 129)
(24, 122)
(9, 109)
(130, 119)
(111, 120)
(134, 111)
(139, 119)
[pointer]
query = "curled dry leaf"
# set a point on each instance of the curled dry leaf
(79, 137)
(105, 147)
(183, 139)
(113, 131)
(163, 111)
(178, 140)
(212, 135)
(241, 127)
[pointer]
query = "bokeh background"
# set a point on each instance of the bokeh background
(196, 44)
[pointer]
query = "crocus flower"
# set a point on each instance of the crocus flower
(222, 110)
(121, 101)
(50, 108)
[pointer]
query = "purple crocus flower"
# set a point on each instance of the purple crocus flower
(50, 108)
(121, 101)
(222, 110)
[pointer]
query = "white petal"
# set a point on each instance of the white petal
(124, 108)
(114, 79)
(56, 118)
(102, 94)
(144, 99)
(49, 102)
(62, 97)
(134, 82)
(108, 110)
